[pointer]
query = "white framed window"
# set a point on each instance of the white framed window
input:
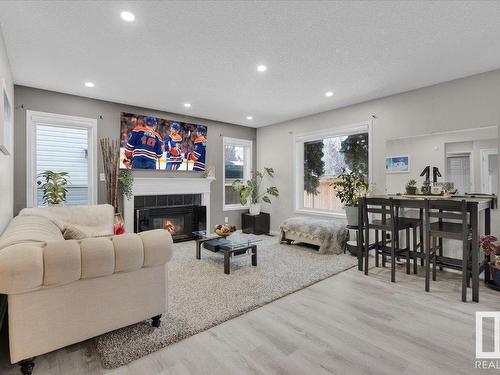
(319, 157)
(63, 144)
(237, 165)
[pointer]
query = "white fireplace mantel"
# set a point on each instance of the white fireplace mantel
(166, 186)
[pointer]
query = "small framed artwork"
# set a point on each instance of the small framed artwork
(397, 164)
(5, 121)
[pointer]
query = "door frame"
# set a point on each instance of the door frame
(32, 119)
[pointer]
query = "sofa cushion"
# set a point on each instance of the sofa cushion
(96, 220)
(98, 257)
(24, 229)
(62, 262)
(129, 252)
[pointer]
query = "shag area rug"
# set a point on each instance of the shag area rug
(201, 296)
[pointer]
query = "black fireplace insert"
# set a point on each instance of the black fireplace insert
(179, 218)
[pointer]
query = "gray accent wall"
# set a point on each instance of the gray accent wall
(108, 125)
(465, 103)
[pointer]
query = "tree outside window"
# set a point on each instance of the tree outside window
(324, 161)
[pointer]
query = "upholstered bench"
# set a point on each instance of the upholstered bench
(330, 235)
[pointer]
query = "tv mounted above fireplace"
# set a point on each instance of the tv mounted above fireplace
(148, 142)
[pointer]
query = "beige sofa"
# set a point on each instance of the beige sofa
(65, 291)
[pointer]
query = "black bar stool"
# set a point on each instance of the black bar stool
(458, 229)
(417, 244)
(389, 222)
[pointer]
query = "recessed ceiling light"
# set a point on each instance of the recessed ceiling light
(261, 68)
(89, 84)
(249, 118)
(187, 105)
(329, 93)
(127, 16)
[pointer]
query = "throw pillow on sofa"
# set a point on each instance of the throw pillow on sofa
(73, 233)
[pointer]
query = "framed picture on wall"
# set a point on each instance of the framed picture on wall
(397, 164)
(6, 121)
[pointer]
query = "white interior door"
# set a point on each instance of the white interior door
(489, 171)
(458, 171)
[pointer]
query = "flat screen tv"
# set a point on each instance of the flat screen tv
(148, 142)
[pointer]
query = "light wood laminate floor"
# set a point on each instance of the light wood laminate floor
(347, 324)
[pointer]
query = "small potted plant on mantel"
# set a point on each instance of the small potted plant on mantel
(349, 188)
(249, 192)
(411, 187)
(491, 246)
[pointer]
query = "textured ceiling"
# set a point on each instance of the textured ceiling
(206, 53)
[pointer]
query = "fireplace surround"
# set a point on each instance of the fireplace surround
(165, 192)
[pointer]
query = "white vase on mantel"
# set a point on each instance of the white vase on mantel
(254, 209)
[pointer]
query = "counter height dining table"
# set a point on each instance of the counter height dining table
(476, 204)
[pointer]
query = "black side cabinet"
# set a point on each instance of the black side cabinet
(256, 224)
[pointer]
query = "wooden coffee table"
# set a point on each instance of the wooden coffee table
(234, 245)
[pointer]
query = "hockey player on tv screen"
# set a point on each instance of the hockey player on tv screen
(144, 146)
(198, 154)
(173, 148)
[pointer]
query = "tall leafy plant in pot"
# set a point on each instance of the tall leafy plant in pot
(349, 188)
(54, 187)
(251, 191)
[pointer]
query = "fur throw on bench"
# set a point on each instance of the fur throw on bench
(329, 235)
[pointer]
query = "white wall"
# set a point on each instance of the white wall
(461, 104)
(6, 170)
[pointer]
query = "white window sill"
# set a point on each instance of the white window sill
(235, 207)
(326, 214)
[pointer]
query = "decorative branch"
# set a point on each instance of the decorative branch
(110, 158)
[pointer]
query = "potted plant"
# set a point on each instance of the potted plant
(349, 187)
(249, 192)
(411, 187)
(490, 245)
(54, 187)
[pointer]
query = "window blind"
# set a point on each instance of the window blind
(64, 149)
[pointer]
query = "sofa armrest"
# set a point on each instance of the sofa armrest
(27, 267)
(155, 243)
(21, 268)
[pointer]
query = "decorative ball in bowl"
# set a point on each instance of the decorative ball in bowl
(224, 230)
